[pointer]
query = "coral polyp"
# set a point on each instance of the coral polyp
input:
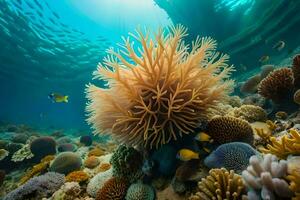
(160, 93)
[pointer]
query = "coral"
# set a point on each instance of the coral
(296, 70)
(255, 99)
(19, 138)
(13, 147)
(168, 193)
(68, 191)
(294, 179)
(249, 113)
(77, 176)
(23, 153)
(265, 178)
(264, 137)
(220, 184)
(229, 129)
(277, 85)
(43, 146)
(234, 101)
(250, 86)
(3, 154)
(64, 140)
(160, 93)
(233, 156)
(104, 167)
(284, 146)
(2, 177)
(178, 186)
(266, 70)
(87, 140)
(96, 152)
(91, 162)
(97, 182)
(66, 162)
(66, 147)
(281, 115)
(113, 189)
(140, 191)
(37, 169)
(220, 110)
(191, 171)
(127, 163)
(297, 97)
(37, 187)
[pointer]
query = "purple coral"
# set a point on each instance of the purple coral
(38, 187)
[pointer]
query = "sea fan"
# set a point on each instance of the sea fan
(159, 93)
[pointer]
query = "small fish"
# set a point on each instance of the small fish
(187, 154)
(279, 45)
(58, 98)
(203, 137)
(264, 59)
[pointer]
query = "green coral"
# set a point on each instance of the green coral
(140, 191)
(127, 163)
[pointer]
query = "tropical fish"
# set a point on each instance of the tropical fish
(58, 98)
(279, 45)
(187, 154)
(264, 59)
(203, 137)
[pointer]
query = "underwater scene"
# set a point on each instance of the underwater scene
(150, 100)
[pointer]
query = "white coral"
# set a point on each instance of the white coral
(97, 182)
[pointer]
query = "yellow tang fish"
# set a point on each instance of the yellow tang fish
(203, 137)
(58, 98)
(187, 154)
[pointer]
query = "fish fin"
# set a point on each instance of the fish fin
(66, 99)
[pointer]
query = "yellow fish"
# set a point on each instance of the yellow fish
(58, 98)
(187, 154)
(264, 59)
(203, 137)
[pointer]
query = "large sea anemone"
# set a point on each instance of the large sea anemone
(158, 90)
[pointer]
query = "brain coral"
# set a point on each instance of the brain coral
(220, 184)
(277, 85)
(43, 146)
(233, 156)
(140, 191)
(296, 70)
(229, 129)
(160, 93)
(113, 189)
(250, 113)
(66, 162)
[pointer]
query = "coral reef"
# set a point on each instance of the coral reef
(91, 162)
(284, 146)
(232, 156)
(66, 147)
(278, 85)
(68, 191)
(265, 178)
(250, 113)
(255, 99)
(229, 129)
(87, 140)
(127, 163)
(23, 153)
(20, 138)
(104, 167)
(77, 176)
(296, 70)
(43, 146)
(140, 191)
(97, 182)
(250, 86)
(37, 187)
(66, 162)
(220, 184)
(294, 178)
(162, 93)
(113, 189)
(96, 152)
(191, 170)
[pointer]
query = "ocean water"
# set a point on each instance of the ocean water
(49, 51)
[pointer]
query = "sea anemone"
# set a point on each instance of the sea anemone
(220, 184)
(160, 93)
(113, 189)
(278, 85)
(229, 129)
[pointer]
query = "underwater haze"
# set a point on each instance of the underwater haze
(149, 99)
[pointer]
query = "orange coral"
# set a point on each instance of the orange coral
(160, 93)
(104, 167)
(277, 85)
(77, 176)
(37, 169)
(91, 162)
(96, 152)
(113, 189)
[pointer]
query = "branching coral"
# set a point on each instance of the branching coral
(277, 85)
(250, 113)
(265, 178)
(160, 93)
(229, 129)
(22, 154)
(284, 146)
(113, 189)
(220, 184)
(294, 179)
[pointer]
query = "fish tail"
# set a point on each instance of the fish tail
(66, 99)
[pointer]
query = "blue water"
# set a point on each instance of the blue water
(54, 46)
